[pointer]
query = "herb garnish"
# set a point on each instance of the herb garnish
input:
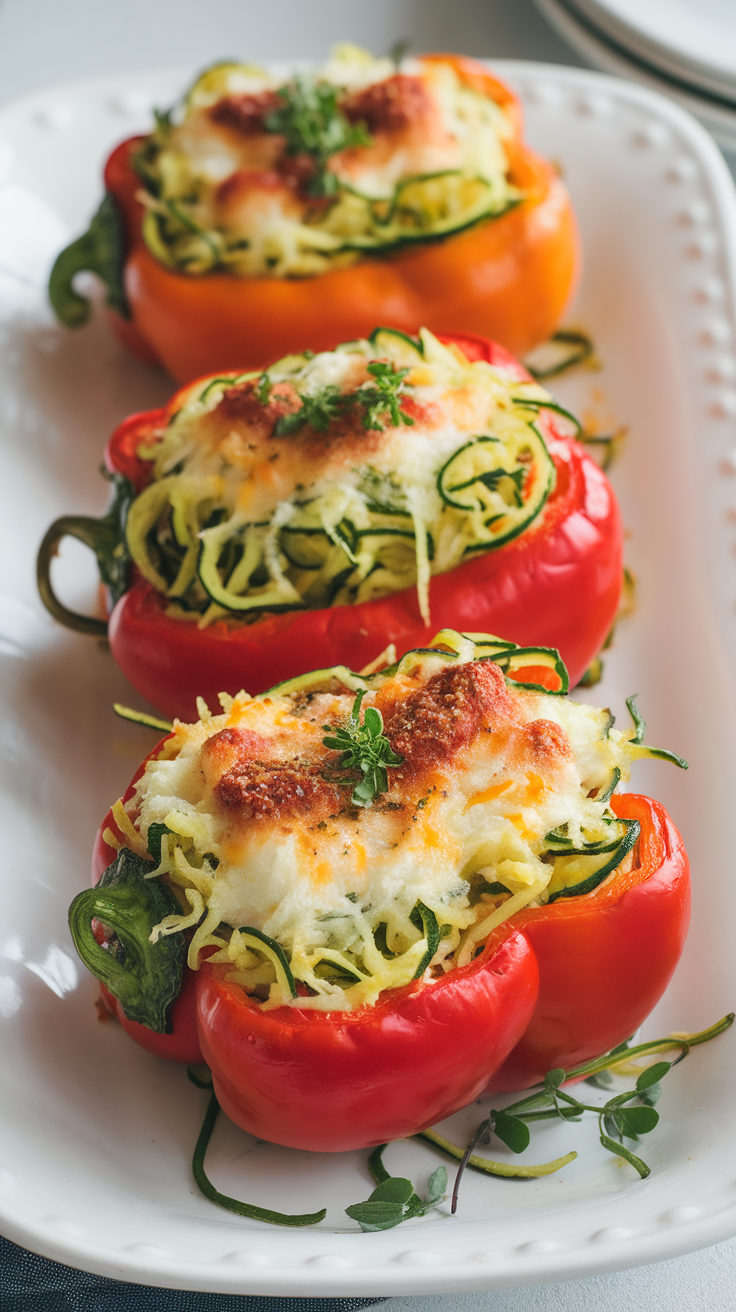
(313, 124)
(365, 750)
(394, 1199)
(318, 410)
(378, 402)
(616, 1120)
(264, 387)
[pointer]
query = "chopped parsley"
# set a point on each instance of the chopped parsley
(313, 124)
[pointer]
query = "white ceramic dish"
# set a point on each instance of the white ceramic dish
(694, 40)
(592, 43)
(96, 1137)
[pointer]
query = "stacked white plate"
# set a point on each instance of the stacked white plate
(684, 48)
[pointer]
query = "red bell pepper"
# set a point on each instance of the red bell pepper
(553, 987)
(605, 959)
(333, 1081)
(557, 584)
(509, 277)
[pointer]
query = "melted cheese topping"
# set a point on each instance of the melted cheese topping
(345, 512)
(224, 191)
(263, 832)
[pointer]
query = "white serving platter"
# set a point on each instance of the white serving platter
(95, 1136)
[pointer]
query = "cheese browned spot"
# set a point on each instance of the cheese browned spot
(245, 114)
(277, 790)
(437, 721)
(547, 742)
(240, 404)
(389, 106)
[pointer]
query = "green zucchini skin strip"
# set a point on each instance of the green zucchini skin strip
(415, 343)
(432, 933)
(273, 602)
(145, 977)
(580, 350)
(370, 247)
(633, 830)
(273, 949)
(533, 507)
(233, 1204)
(100, 250)
(640, 725)
(142, 718)
(534, 403)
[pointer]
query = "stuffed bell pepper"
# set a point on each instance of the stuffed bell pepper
(316, 511)
(344, 873)
(263, 215)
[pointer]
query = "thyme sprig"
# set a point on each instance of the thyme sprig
(617, 1119)
(318, 409)
(365, 751)
(394, 1199)
(313, 124)
(378, 402)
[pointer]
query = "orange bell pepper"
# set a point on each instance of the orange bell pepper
(508, 278)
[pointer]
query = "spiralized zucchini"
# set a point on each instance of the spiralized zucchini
(203, 214)
(397, 459)
(409, 887)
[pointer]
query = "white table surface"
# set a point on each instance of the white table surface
(49, 41)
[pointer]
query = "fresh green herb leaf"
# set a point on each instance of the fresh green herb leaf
(365, 750)
(375, 1215)
(394, 1200)
(378, 403)
(317, 411)
(263, 389)
(425, 919)
(381, 401)
(313, 124)
(394, 1189)
(437, 1186)
(512, 1131)
(652, 1075)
